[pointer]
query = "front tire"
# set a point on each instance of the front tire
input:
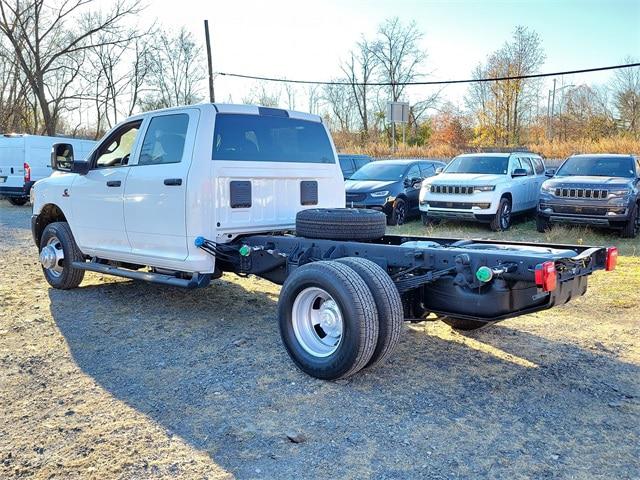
(632, 227)
(328, 320)
(502, 219)
(18, 201)
(428, 221)
(398, 213)
(542, 224)
(58, 251)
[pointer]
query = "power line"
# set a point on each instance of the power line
(435, 82)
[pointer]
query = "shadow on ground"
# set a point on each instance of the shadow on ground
(208, 366)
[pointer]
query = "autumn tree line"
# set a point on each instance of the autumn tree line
(66, 67)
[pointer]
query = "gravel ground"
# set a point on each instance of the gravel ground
(119, 379)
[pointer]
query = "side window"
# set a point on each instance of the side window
(526, 164)
(538, 165)
(164, 140)
(516, 164)
(360, 162)
(346, 164)
(414, 172)
(116, 150)
(427, 170)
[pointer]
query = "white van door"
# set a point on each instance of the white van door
(155, 192)
(11, 163)
(268, 164)
(97, 197)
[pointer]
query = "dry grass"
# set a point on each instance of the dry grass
(349, 143)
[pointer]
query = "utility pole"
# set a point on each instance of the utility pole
(549, 116)
(212, 95)
(553, 104)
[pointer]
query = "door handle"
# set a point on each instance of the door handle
(114, 183)
(172, 181)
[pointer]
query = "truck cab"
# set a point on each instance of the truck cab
(160, 179)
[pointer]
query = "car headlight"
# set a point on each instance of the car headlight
(484, 188)
(381, 193)
(547, 188)
(621, 192)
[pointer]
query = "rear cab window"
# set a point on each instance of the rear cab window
(538, 165)
(265, 138)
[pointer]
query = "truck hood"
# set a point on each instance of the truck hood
(582, 181)
(364, 186)
(466, 179)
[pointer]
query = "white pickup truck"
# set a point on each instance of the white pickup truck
(484, 187)
(179, 196)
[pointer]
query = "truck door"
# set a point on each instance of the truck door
(155, 192)
(531, 182)
(268, 164)
(96, 198)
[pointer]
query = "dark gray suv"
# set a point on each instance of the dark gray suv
(601, 190)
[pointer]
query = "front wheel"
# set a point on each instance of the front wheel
(399, 213)
(18, 201)
(328, 320)
(502, 220)
(428, 221)
(58, 251)
(542, 224)
(632, 227)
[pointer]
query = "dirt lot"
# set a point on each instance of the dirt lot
(119, 379)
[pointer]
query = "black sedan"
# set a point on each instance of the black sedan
(390, 186)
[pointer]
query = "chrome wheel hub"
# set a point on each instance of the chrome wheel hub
(51, 257)
(317, 322)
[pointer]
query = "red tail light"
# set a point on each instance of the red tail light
(612, 259)
(546, 276)
(27, 172)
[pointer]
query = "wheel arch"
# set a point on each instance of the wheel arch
(49, 213)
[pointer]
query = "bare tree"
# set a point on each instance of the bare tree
(176, 71)
(502, 106)
(117, 80)
(51, 40)
(626, 96)
(359, 70)
(398, 54)
(290, 92)
(341, 101)
(261, 95)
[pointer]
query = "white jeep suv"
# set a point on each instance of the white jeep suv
(484, 187)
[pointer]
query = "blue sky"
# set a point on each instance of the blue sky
(305, 39)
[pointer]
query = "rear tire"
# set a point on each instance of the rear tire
(502, 219)
(18, 201)
(62, 275)
(388, 304)
(464, 324)
(315, 300)
(341, 224)
(398, 213)
(632, 227)
(542, 224)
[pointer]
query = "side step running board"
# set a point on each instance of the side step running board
(198, 280)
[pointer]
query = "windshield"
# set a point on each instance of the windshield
(488, 165)
(597, 167)
(380, 171)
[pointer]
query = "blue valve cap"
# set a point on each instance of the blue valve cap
(199, 241)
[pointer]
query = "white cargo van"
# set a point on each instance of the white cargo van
(24, 159)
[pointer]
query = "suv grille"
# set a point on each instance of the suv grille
(452, 189)
(582, 193)
(356, 197)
